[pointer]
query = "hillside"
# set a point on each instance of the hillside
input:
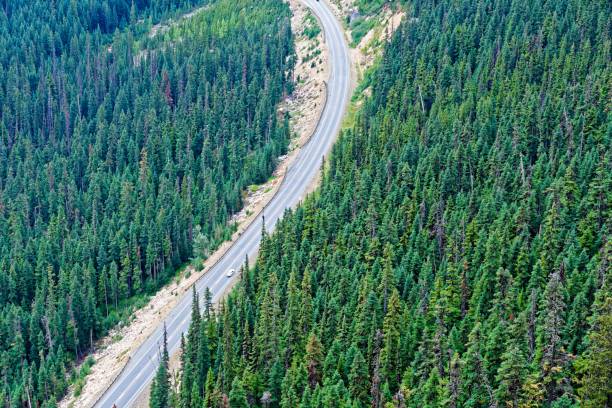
(122, 156)
(457, 252)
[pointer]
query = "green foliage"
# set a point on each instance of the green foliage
(359, 28)
(593, 367)
(365, 17)
(459, 240)
(118, 148)
(311, 26)
(237, 396)
(160, 388)
(370, 7)
(84, 371)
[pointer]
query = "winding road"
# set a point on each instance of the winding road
(143, 364)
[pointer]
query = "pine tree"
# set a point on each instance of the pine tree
(313, 360)
(305, 316)
(194, 328)
(477, 386)
(510, 375)
(594, 366)
(358, 377)
(454, 383)
(237, 395)
(390, 354)
(554, 357)
(209, 390)
(160, 389)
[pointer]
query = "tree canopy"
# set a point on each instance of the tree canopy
(457, 252)
(120, 145)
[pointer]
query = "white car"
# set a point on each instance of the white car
(230, 273)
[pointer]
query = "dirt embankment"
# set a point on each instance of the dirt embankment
(370, 47)
(304, 107)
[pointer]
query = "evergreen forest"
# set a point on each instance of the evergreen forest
(457, 252)
(127, 134)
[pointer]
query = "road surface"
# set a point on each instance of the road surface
(141, 368)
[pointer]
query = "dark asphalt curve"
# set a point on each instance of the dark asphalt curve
(141, 368)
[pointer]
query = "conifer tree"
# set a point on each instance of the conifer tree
(390, 354)
(237, 396)
(554, 358)
(160, 389)
(313, 360)
(593, 367)
(358, 378)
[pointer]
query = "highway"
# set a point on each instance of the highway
(143, 364)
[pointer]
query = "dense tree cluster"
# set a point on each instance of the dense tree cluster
(119, 147)
(458, 251)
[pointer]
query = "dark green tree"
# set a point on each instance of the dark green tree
(160, 388)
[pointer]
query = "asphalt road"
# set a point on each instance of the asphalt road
(144, 362)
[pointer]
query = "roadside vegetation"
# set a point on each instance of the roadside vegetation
(311, 26)
(365, 15)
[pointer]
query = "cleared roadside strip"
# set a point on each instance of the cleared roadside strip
(140, 368)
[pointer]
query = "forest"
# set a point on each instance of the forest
(457, 252)
(126, 143)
